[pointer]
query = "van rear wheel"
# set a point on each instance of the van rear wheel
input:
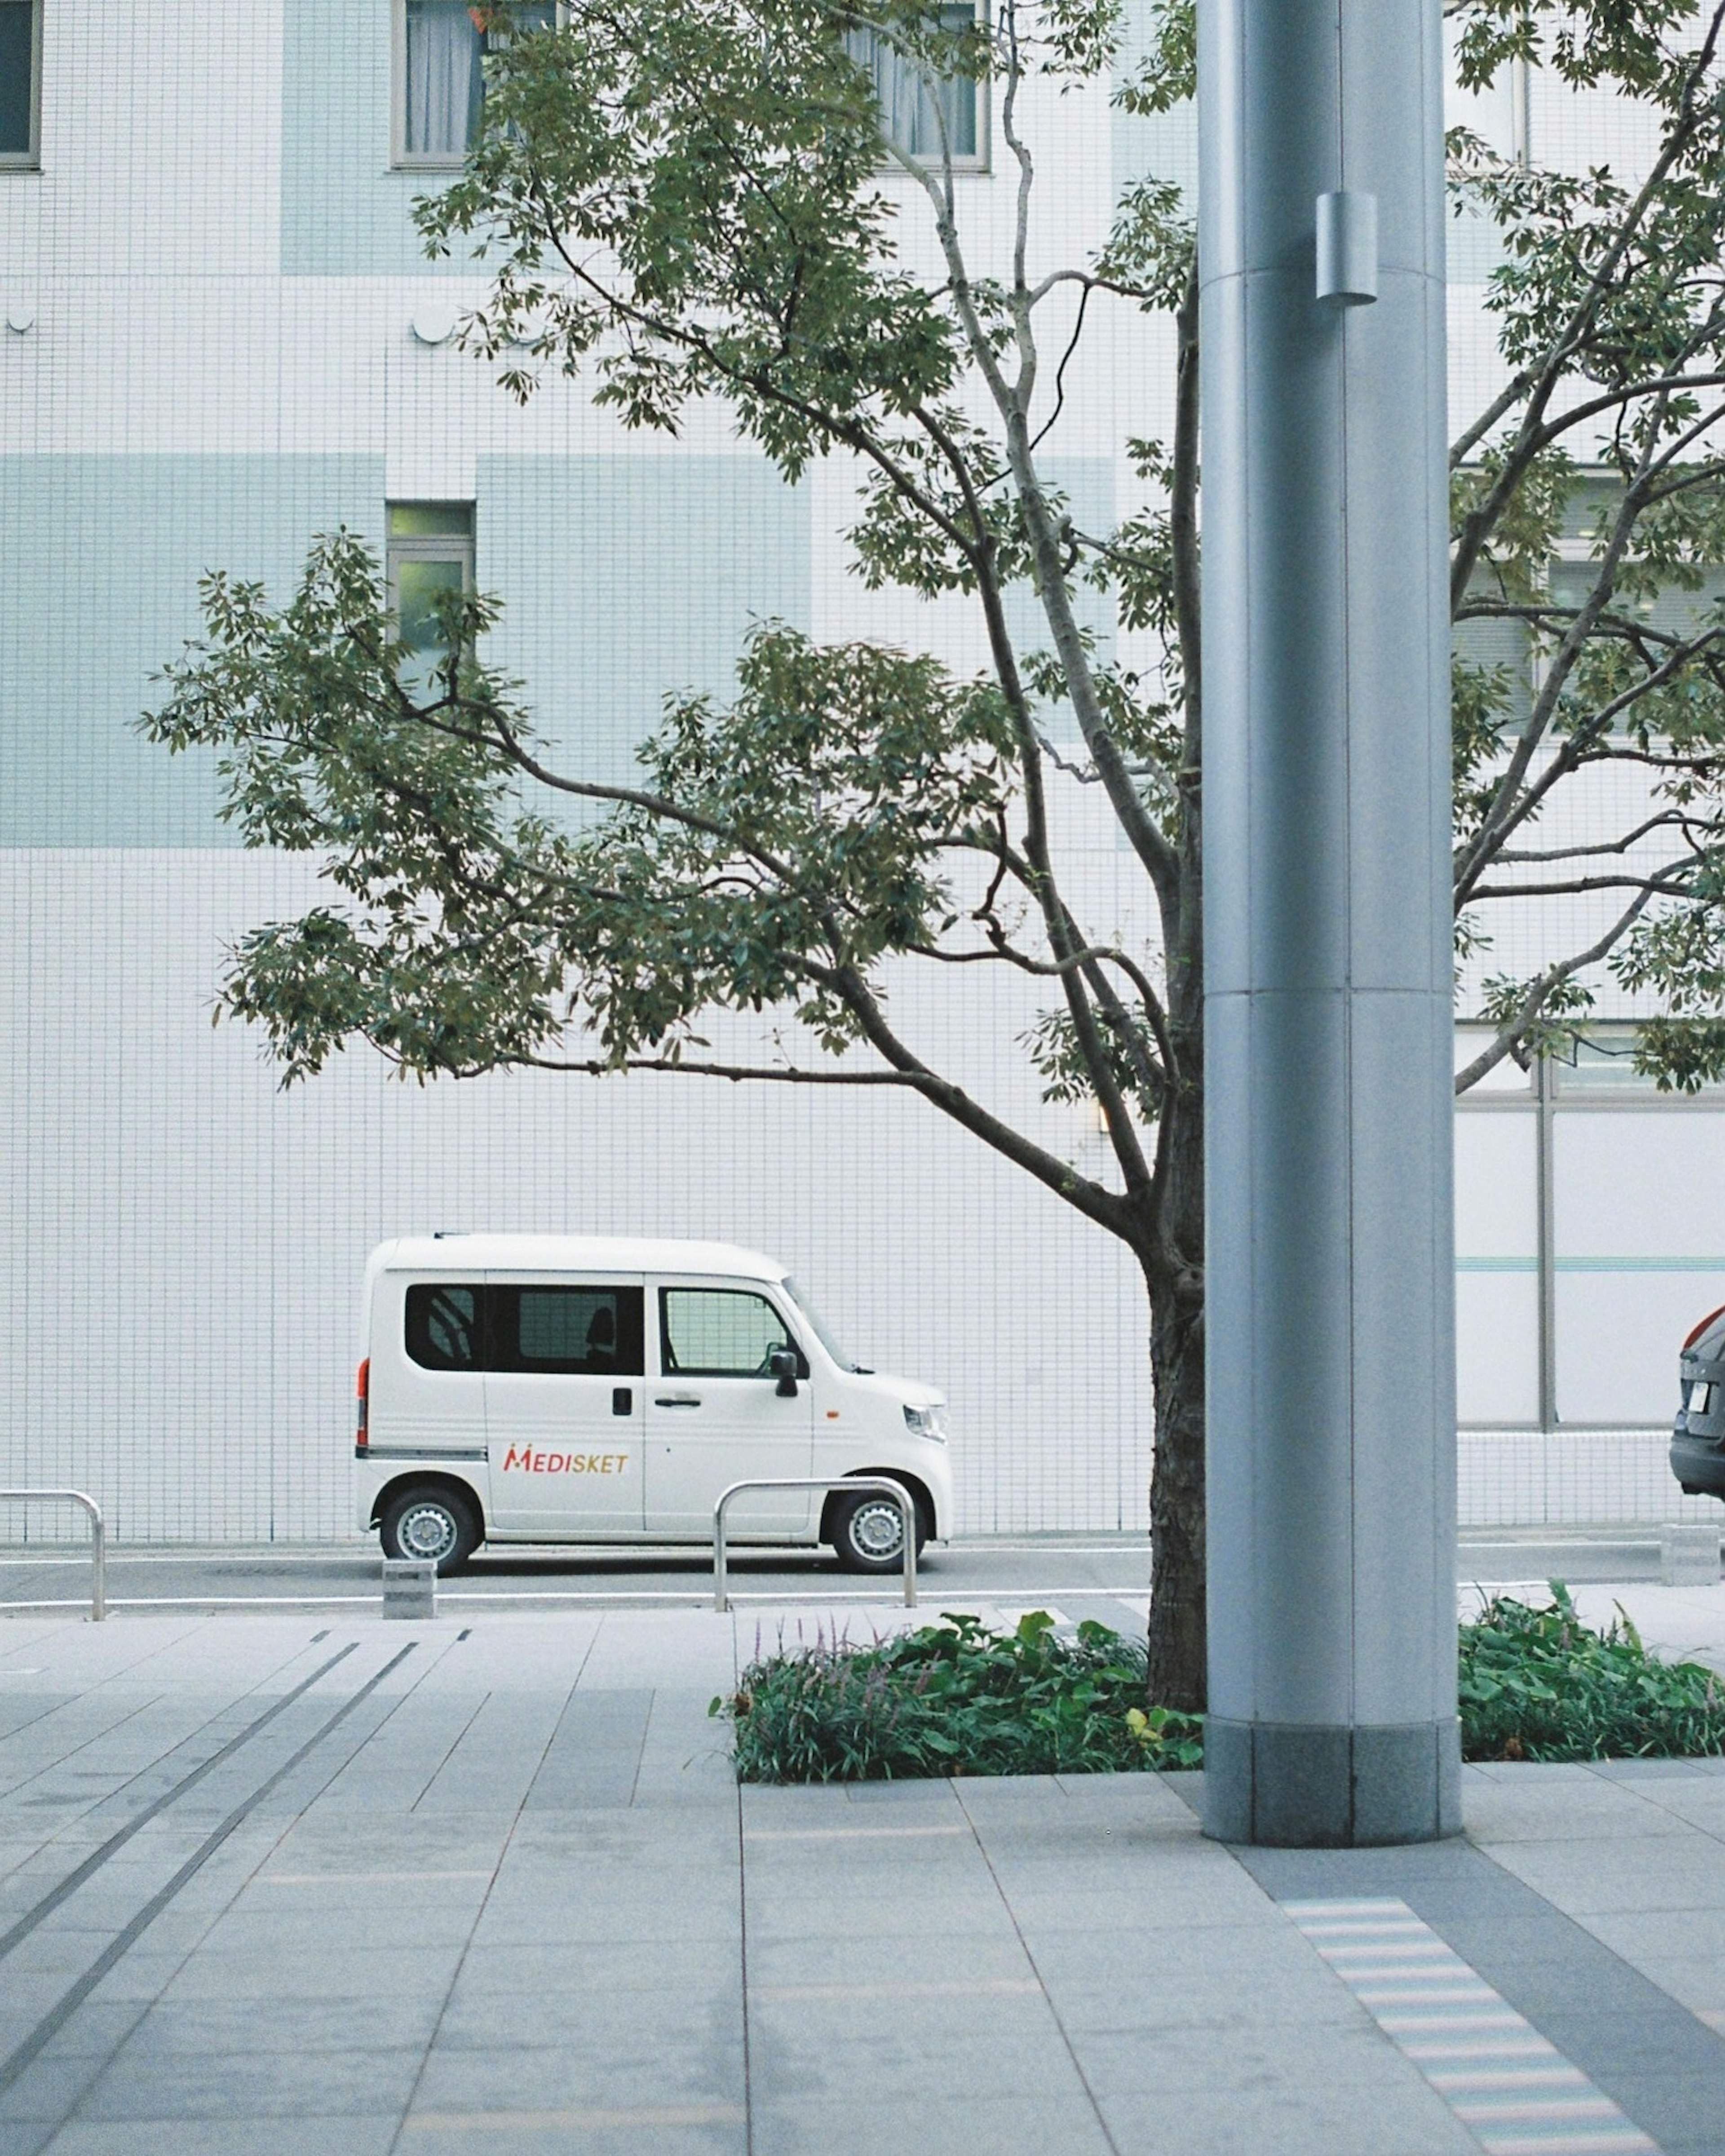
(429, 1522)
(869, 1532)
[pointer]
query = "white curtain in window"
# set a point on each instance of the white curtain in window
(445, 84)
(911, 105)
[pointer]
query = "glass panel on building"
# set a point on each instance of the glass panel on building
(431, 520)
(19, 20)
(914, 105)
(419, 587)
(1603, 1061)
(444, 86)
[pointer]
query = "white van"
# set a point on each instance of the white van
(564, 1388)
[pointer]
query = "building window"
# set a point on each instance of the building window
(920, 111)
(440, 49)
(20, 82)
(430, 554)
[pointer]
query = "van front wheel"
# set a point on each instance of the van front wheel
(431, 1522)
(868, 1532)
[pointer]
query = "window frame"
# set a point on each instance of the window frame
(30, 160)
(401, 159)
(979, 162)
(462, 547)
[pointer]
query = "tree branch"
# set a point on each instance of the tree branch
(1581, 748)
(1539, 994)
(1037, 872)
(779, 1073)
(1657, 884)
(1664, 820)
(1543, 380)
(1093, 1199)
(1060, 402)
(1510, 807)
(1146, 840)
(1469, 440)
(1577, 415)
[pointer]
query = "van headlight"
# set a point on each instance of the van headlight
(927, 1422)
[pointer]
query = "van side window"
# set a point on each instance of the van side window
(445, 1328)
(578, 1331)
(719, 1332)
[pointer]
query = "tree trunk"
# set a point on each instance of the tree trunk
(1173, 1273)
(1177, 1505)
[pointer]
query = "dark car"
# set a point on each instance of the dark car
(1698, 1438)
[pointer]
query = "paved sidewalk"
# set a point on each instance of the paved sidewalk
(277, 1883)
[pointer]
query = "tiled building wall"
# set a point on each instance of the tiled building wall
(178, 1329)
(98, 587)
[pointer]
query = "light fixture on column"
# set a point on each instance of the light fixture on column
(1348, 248)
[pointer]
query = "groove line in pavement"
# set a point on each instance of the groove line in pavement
(124, 1940)
(26, 1924)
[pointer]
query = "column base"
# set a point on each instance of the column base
(1299, 1785)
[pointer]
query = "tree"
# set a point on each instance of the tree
(1610, 318)
(683, 202)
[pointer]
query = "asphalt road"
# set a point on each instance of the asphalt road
(1097, 1575)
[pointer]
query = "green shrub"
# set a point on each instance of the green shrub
(1538, 1684)
(954, 1698)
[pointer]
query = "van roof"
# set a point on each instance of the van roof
(568, 1254)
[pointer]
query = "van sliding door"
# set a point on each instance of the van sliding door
(565, 1405)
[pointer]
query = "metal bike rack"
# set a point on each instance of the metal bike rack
(879, 1483)
(97, 1538)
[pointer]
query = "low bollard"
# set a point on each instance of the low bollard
(882, 1485)
(1688, 1557)
(98, 1537)
(409, 1587)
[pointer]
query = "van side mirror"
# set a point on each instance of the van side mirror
(782, 1363)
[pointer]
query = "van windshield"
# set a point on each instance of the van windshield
(819, 1329)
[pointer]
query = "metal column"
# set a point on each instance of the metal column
(1329, 1313)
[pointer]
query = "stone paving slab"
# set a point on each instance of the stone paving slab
(503, 1894)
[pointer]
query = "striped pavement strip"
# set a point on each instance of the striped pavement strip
(1513, 2090)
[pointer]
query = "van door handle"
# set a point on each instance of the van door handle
(677, 1400)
